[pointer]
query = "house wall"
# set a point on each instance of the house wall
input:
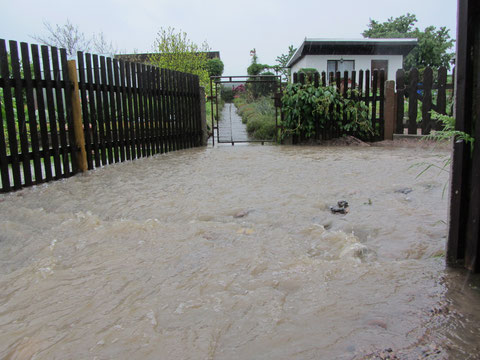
(362, 62)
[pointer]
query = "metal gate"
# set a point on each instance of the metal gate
(227, 126)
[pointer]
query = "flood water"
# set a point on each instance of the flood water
(233, 253)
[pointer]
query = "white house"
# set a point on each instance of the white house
(331, 55)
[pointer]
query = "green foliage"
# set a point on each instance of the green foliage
(258, 115)
(256, 69)
(176, 52)
(215, 67)
(448, 131)
(227, 94)
(433, 44)
(282, 61)
(304, 104)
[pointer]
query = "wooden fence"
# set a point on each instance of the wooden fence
(433, 95)
(371, 91)
(463, 248)
(129, 110)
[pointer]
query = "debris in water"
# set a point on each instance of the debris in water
(404, 191)
(241, 214)
(342, 207)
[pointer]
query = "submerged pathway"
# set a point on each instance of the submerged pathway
(232, 252)
(231, 128)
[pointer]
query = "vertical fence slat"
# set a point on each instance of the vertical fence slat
(167, 109)
(51, 110)
(412, 101)
(85, 113)
(360, 83)
(135, 110)
(142, 109)
(141, 117)
(42, 118)
(441, 93)
(119, 115)
(5, 176)
(100, 111)
(152, 125)
(9, 112)
(198, 116)
(93, 95)
(106, 113)
(156, 113)
(21, 120)
(32, 118)
(374, 100)
(427, 100)
(381, 97)
(72, 150)
(181, 100)
(160, 108)
(126, 122)
(368, 81)
(60, 114)
(176, 118)
(148, 116)
(400, 87)
(113, 111)
(129, 72)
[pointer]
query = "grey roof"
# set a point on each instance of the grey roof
(324, 46)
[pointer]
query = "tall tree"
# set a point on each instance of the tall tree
(282, 61)
(175, 51)
(71, 38)
(433, 44)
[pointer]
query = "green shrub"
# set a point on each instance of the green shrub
(226, 94)
(304, 104)
(261, 127)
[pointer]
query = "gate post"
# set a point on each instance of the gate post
(203, 117)
(390, 112)
(80, 153)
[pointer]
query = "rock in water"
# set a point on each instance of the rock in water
(341, 208)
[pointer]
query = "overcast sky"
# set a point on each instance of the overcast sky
(231, 27)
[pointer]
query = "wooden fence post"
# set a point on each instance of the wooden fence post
(81, 154)
(203, 117)
(390, 113)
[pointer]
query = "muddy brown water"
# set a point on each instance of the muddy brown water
(233, 253)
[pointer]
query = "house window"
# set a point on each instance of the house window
(341, 65)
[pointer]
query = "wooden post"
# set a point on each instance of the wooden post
(81, 154)
(390, 113)
(203, 117)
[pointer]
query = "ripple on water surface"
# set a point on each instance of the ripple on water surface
(233, 252)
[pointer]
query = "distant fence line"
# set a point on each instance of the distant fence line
(392, 104)
(128, 110)
(371, 91)
(434, 93)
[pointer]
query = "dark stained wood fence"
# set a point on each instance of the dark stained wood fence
(464, 214)
(35, 144)
(133, 110)
(433, 95)
(129, 111)
(371, 91)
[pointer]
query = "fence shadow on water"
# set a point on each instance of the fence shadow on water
(128, 111)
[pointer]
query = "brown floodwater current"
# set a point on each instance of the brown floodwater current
(233, 253)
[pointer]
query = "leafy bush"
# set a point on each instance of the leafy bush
(261, 127)
(227, 94)
(215, 67)
(304, 104)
